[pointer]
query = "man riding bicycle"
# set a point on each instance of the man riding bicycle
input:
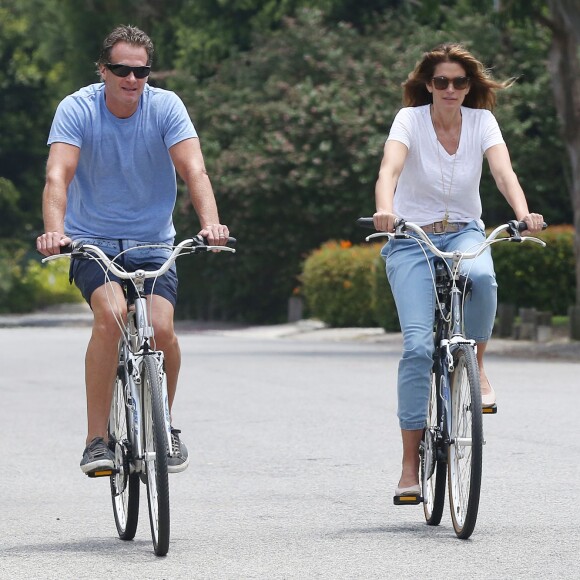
(115, 147)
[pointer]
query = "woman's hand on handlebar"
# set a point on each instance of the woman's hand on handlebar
(384, 221)
(534, 221)
(50, 243)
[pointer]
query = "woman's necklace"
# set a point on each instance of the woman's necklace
(446, 191)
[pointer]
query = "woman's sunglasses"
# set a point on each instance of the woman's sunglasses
(441, 83)
(123, 70)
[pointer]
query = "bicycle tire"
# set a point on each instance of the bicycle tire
(155, 456)
(466, 442)
(433, 465)
(124, 485)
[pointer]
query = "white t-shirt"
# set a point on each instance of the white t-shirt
(420, 196)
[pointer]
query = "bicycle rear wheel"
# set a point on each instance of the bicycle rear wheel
(466, 442)
(124, 485)
(433, 468)
(155, 456)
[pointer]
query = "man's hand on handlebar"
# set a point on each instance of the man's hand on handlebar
(384, 221)
(50, 243)
(216, 234)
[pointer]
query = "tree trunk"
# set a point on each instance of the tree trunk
(564, 66)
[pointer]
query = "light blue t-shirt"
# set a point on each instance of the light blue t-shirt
(125, 184)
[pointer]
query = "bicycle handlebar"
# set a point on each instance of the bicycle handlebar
(513, 228)
(190, 245)
(368, 223)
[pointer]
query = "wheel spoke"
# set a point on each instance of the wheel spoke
(466, 443)
(124, 486)
(155, 456)
(432, 467)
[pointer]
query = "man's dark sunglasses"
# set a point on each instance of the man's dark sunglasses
(459, 83)
(123, 70)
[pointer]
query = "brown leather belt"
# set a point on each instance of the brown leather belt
(441, 228)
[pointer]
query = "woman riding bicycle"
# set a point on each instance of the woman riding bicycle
(430, 175)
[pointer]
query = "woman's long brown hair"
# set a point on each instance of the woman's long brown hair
(482, 87)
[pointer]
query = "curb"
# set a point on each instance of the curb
(79, 315)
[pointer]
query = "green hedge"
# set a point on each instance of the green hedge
(27, 285)
(345, 285)
(531, 276)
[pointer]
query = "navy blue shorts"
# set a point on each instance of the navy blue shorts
(88, 275)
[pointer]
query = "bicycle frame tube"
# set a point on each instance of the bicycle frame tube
(133, 401)
(144, 329)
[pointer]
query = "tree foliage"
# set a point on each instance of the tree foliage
(293, 132)
(25, 84)
(293, 106)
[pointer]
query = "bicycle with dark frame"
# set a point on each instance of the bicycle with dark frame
(452, 440)
(139, 422)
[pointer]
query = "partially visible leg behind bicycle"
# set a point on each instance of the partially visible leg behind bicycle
(165, 340)
(481, 304)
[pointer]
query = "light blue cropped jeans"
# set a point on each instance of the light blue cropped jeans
(412, 286)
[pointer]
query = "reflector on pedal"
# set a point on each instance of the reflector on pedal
(489, 410)
(407, 499)
(102, 473)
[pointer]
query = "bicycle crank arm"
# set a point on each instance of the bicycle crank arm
(463, 442)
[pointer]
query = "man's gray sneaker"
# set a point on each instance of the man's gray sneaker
(180, 459)
(97, 457)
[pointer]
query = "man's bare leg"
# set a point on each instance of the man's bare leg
(101, 357)
(162, 312)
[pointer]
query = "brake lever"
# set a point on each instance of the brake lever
(400, 229)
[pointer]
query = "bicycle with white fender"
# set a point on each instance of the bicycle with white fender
(139, 421)
(453, 437)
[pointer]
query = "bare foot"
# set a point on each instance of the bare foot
(486, 388)
(487, 392)
(409, 478)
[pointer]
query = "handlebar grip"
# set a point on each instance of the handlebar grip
(67, 249)
(202, 241)
(522, 226)
(369, 223)
(365, 223)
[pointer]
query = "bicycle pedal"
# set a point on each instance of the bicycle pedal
(103, 473)
(407, 499)
(489, 410)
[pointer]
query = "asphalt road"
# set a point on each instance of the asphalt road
(295, 454)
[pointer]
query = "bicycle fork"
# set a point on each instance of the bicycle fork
(146, 333)
(134, 399)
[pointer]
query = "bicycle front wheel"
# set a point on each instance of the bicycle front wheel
(155, 455)
(433, 468)
(466, 442)
(124, 485)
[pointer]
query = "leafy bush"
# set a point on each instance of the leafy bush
(26, 285)
(345, 285)
(532, 276)
(293, 132)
